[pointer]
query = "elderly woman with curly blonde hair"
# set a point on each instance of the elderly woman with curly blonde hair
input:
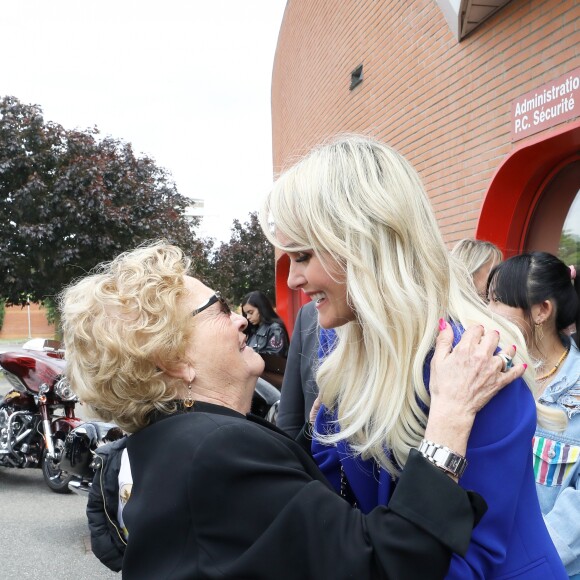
(363, 243)
(219, 493)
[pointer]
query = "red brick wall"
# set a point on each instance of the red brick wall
(444, 105)
(16, 323)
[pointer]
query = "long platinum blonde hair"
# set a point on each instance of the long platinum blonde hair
(121, 322)
(358, 202)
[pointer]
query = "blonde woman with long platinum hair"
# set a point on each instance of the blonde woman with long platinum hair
(363, 243)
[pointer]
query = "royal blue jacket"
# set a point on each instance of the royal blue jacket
(511, 540)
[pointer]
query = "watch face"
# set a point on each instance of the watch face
(443, 458)
(454, 462)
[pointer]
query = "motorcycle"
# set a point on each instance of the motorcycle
(78, 459)
(38, 425)
(265, 401)
(37, 413)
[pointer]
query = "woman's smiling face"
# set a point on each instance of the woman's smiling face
(325, 284)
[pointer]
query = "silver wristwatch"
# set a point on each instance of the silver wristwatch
(443, 458)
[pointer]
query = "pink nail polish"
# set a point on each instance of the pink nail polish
(514, 347)
(525, 366)
(442, 324)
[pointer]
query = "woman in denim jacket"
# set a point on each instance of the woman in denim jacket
(540, 294)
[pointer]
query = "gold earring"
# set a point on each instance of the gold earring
(188, 401)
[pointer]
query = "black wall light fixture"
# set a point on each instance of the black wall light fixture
(356, 76)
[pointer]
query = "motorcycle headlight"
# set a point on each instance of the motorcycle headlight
(63, 390)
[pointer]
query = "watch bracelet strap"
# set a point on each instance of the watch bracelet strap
(452, 463)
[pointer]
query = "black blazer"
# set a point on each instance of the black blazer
(219, 495)
(299, 388)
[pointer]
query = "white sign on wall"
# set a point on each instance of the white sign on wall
(549, 105)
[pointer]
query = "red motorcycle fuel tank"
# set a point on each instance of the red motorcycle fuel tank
(27, 373)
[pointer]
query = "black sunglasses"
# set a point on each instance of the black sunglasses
(217, 297)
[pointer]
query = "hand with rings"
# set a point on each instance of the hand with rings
(507, 361)
(464, 378)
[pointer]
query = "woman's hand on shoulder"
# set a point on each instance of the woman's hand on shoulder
(464, 378)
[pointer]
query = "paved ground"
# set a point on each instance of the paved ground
(43, 535)
(6, 345)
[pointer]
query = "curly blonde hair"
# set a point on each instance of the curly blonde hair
(358, 203)
(120, 323)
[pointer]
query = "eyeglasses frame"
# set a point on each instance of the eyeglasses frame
(216, 297)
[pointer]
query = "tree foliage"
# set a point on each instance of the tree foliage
(245, 263)
(569, 250)
(69, 201)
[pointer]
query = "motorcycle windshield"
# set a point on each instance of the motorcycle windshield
(29, 371)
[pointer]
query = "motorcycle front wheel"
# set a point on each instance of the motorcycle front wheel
(54, 476)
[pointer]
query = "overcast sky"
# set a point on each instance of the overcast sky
(187, 83)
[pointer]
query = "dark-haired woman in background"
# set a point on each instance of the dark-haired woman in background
(266, 332)
(541, 295)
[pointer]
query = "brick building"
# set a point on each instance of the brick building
(26, 322)
(483, 99)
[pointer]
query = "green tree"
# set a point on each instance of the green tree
(245, 263)
(69, 201)
(569, 250)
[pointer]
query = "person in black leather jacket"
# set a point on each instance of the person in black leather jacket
(266, 332)
(107, 538)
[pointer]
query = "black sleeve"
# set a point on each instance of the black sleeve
(103, 544)
(429, 498)
(294, 526)
(291, 410)
(304, 437)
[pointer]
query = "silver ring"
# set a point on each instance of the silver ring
(507, 363)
